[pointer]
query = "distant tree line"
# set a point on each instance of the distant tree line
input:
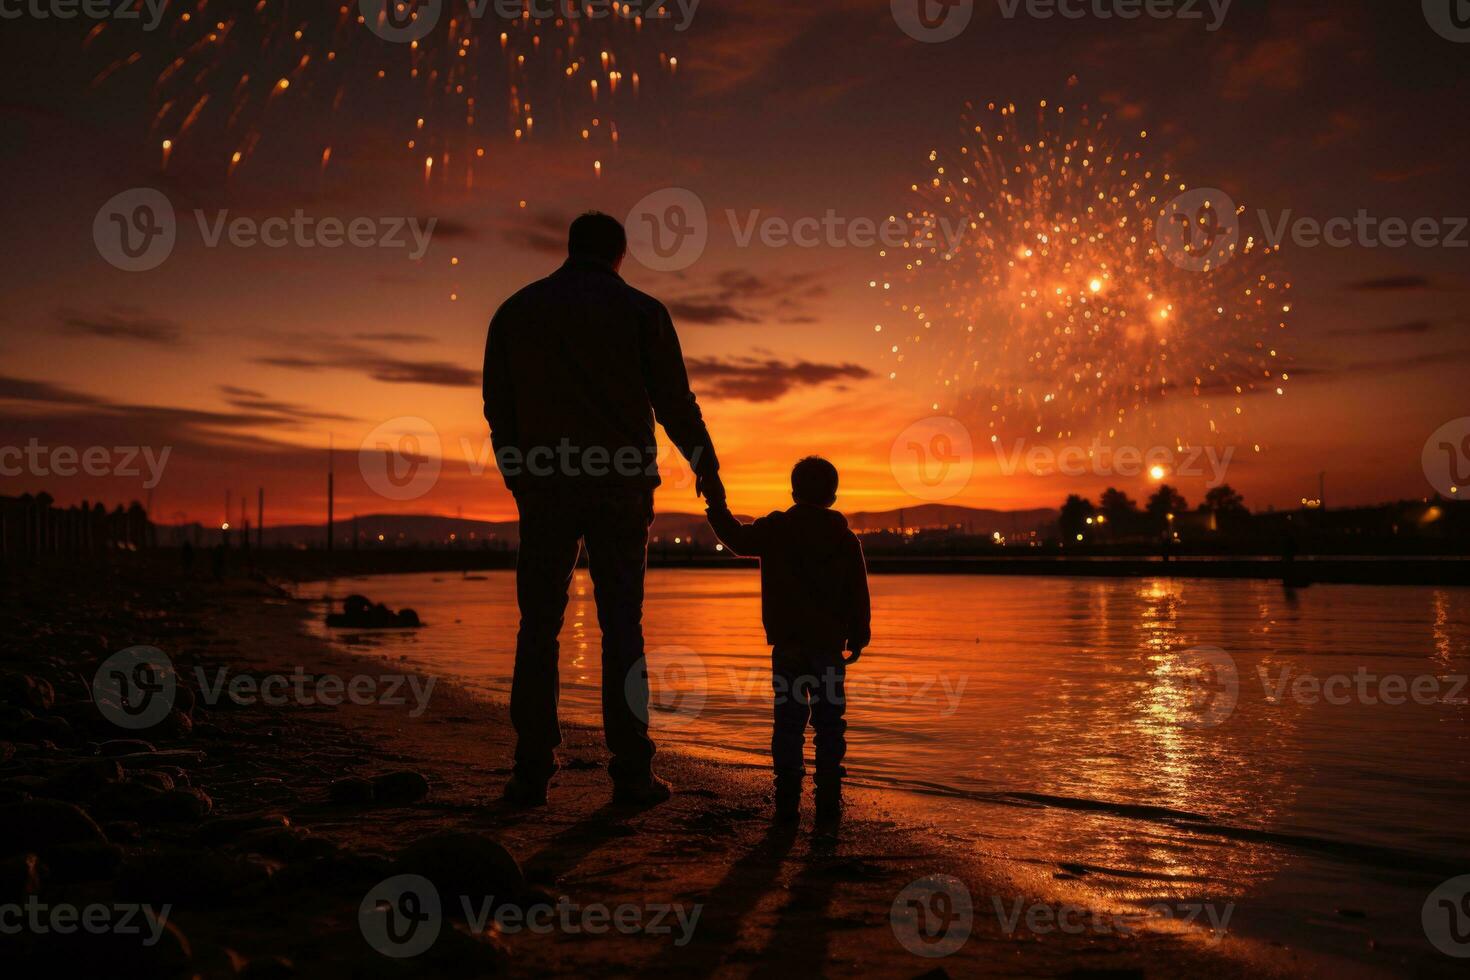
(31, 525)
(1116, 515)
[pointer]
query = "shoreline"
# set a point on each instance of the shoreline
(1434, 570)
(768, 899)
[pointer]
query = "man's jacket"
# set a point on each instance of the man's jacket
(578, 367)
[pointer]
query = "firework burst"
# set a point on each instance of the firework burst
(226, 74)
(1060, 285)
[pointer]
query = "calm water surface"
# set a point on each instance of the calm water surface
(1182, 740)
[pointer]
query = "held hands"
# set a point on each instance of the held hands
(712, 489)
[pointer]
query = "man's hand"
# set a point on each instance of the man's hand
(711, 488)
(853, 657)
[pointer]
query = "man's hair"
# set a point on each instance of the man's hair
(814, 481)
(598, 236)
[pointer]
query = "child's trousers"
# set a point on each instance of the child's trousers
(809, 687)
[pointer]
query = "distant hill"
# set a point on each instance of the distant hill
(427, 529)
(972, 520)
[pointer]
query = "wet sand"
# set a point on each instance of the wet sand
(266, 873)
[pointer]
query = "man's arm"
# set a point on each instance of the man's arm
(743, 540)
(499, 398)
(859, 604)
(674, 404)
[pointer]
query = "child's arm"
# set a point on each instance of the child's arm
(859, 605)
(743, 540)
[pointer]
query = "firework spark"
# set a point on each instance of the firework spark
(1057, 285)
(225, 74)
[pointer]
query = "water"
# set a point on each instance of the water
(1045, 720)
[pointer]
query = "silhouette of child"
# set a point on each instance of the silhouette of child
(814, 604)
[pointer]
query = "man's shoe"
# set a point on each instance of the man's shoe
(647, 791)
(523, 792)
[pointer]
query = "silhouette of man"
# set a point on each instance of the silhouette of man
(578, 367)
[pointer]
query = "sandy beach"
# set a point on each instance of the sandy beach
(262, 828)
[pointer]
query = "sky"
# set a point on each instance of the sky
(231, 364)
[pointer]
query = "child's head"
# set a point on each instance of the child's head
(814, 481)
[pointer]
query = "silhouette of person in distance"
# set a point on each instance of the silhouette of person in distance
(578, 368)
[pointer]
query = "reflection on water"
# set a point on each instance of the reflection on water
(1084, 720)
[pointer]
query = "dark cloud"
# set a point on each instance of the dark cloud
(1378, 367)
(57, 402)
(123, 324)
(44, 392)
(450, 230)
(1387, 284)
(394, 338)
(254, 401)
(315, 352)
(755, 379)
(544, 232)
(425, 373)
(711, 314)
(1413, 327)
(1410, 362)
(736, 296)
(385, 369)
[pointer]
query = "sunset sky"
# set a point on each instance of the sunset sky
(247, 361)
